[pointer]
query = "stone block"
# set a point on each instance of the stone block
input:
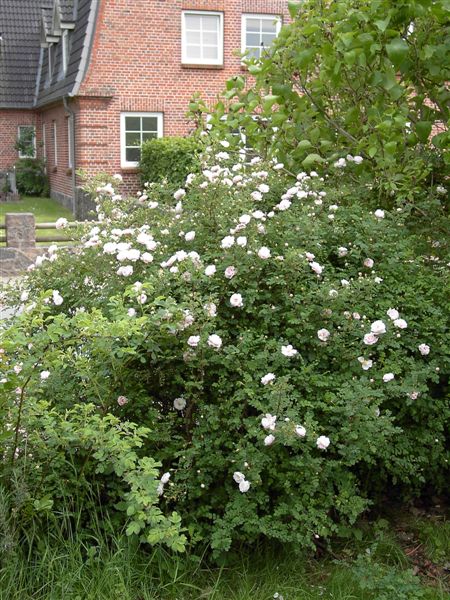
(20, 230)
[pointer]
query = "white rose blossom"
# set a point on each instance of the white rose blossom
(378, 327)
(236, 301)
(323, 442)
(393, 313)
(269, 440)
(289, 351)
(401, 323)
(300, 431)
(193, 341)
(238, 476)
(323, 335)
(388, 377)
(366, 363)
(45, 375)
(264, 253)
(424, 349)
(179, 404)
(244, 486)
(269, 422)
(227, 242)
(210, 270)
(269, 378)
(370, 339)
(215, 341)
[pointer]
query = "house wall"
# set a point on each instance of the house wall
(136, 66)
(58, 171)
(9, 122)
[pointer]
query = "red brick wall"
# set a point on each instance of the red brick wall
(9, 122)
(136, 66)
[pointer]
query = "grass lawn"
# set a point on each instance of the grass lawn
(401, 560)
(45, 210)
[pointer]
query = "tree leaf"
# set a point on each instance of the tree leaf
(397, 51)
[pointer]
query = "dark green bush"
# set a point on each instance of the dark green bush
(172, 158)
(31, 177)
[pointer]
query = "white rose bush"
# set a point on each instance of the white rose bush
(264, 398)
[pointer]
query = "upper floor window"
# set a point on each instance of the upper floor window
(258, 33)
(26, 141)
(135, 129)
(202, 37)
(65, 50)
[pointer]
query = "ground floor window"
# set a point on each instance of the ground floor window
(135, 129)
(26, 141)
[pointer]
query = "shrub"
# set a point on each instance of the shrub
(284, 345)
(170, 158)
(31, 178)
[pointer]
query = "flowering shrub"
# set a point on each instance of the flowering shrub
(283, 346)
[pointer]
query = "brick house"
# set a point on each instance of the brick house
(92, 79)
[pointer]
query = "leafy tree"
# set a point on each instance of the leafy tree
(365, 77)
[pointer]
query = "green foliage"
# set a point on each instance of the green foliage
(135, 310)
(359, 77)
(169, 158)
(31, 178)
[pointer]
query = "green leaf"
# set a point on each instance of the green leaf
(382, 25)
(254, 69)
(397, 51)
(304, 144)
(311, 159)
(423, 130)
(293, 8)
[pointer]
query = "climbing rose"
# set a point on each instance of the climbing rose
(370, 339)
(210, 270)
(193, 341)
(393, 314)
(269, 440)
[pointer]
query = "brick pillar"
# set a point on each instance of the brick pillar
(20, 230)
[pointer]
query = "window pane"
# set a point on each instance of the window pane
(193, 51)
(149, 124)
(193, 37)
(210, 39)
(269, 26)
(132, 139)
(149, 135)
(132, 123)
(267, 39)
(253, 39)
(253, 25)
(210, 52)
(133, 154)
(210, 23)
(192, 22)
(254, 52)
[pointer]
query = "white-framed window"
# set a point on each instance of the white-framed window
(26, 136)
(258, 33)
(65, 50)
(55, 144)
(69, 144)
(201, 37)
(44, 141)
(135, 129)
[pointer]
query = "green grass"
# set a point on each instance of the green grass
(74, 567)
(45, 210)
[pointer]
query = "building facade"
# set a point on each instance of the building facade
(90, 80)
